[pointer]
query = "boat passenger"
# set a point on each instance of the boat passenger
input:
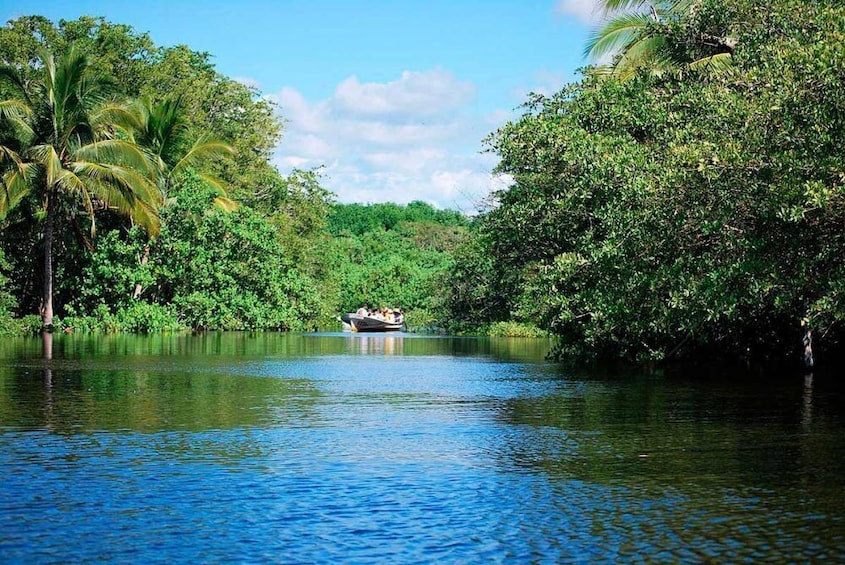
(363, 310)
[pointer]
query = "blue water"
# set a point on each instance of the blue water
(402, 449)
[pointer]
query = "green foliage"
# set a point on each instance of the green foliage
(286, 257)
(678, 215)
(360, 218)
(472, 292)
(389, 255)
(229, 271)
(515, 329)
(211, 102)
(167, 79)
(208, 269)
(137, 317)
(59, 150)
(671, 36)
(9, 325)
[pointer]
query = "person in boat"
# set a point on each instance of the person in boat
(397, 316)
(363, 310)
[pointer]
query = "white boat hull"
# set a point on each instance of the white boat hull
(358, 323)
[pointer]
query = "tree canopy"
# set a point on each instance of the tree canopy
(679, 214)
(60, 149)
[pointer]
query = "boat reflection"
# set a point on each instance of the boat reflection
(369, 344)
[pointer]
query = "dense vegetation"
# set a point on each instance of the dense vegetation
(384, 255)
(680, 209)
(685, 200)
(148, 203)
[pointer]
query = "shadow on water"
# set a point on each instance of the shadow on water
(143, 384)
(194, 382)
(244, 344)
(684, 459)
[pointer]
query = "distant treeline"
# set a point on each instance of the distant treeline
(359, 218)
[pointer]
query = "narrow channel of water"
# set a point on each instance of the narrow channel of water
(302, 448)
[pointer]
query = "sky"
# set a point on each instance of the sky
(391, 98)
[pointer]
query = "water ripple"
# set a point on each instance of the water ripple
(409, 459)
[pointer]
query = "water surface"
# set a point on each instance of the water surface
(404, 449)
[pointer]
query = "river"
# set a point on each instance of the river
(351, 448)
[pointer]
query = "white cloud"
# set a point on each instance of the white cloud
(413, 138)
(415, 93)
(587, 11)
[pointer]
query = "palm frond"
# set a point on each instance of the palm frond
(147, 217)
(221, 200)
(124, 190)
(215, 183)
(11, 76)
(132, 120)
(9, 157)
(610, 6)
(14, 108)
(204, 147)
(113, 115)
(617, 33)
(109, 181)
(166, 121)
(648, 52)
(225, 204)
(16, 113)
(116, 152)
(93, 89)
(46, 156)
(17, 183)
(717, 64)
(69, 74)
(75, 188)
(142, 213)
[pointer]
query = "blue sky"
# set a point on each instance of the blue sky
(392, 98)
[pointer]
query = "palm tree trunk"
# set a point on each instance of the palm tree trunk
(47, 299)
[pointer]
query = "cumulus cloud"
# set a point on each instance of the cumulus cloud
(413, 138)
(415, 93)
(587, 11)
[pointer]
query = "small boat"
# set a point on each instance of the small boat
(357, 323)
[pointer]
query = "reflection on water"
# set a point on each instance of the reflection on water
(401, 448)
(369, 344)
(807, 405)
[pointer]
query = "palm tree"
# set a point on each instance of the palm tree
(639, 34)
(160, 129)
(63, 150)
